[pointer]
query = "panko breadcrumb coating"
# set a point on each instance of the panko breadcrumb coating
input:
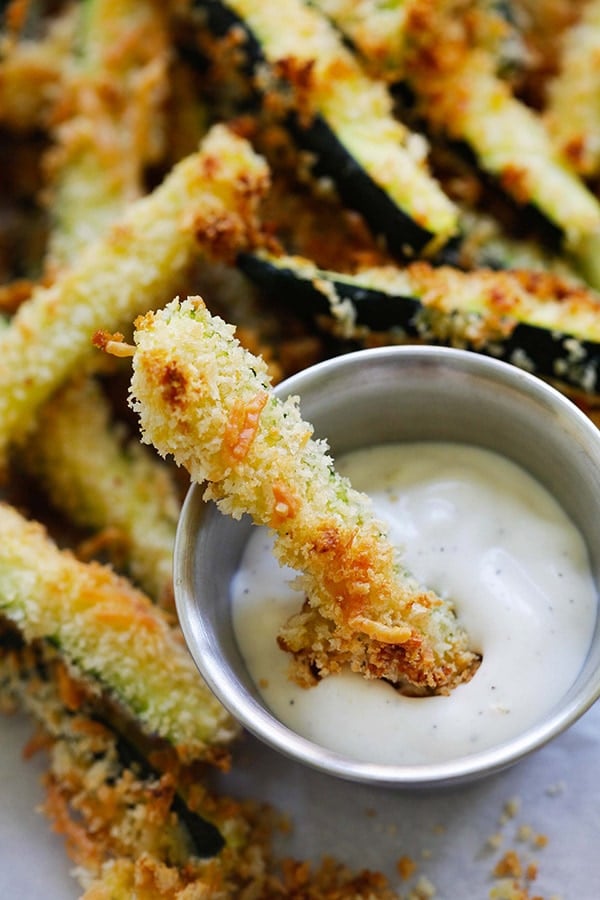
(206, 204)
(207, 401)
(573, 94)
(31, 71)
(95, 165)
(102, 479)
(111, 634)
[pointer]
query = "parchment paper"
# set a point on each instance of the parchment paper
(554, 793)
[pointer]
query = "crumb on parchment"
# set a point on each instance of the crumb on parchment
(515, 871)
(406, 867)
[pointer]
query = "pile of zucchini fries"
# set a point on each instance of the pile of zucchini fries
(328, 175)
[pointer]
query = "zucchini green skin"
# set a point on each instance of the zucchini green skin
(28, 678)
(460, 94)
(358, 190)
(110, 636)
(204, 836)
(372, 307)
(458, 79)
(550, 352)
(357, 187)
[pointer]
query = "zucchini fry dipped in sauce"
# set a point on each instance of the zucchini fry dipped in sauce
(204, 399)
(207, 203)
(345, 117)
(111, 635)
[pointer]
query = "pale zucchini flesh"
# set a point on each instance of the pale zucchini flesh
(109, 633)
(338, 111)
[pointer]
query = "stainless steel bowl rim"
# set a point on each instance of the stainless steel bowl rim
(245, 705)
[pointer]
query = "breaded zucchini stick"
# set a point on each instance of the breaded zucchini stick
(207, 203)
(140, 824)
(312, 70)
(450, 53)
(111, 790)
(572, 111)
(204, 399)
(101, 480)
(461, 94)
(111, 129)
(110, 635)
(111, 125)
(31, 73)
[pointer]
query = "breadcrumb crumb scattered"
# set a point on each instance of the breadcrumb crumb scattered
(406, 867)
(509, 864)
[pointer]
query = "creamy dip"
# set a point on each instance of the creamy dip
(479, 530)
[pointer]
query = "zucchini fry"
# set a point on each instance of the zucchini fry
(141, 824)
(31, 73)
(102, 481)
(346, 118)
(110, 131)
(207, 204)
(98, 767)
(460, 94)
(204, 399)
(537, 320)
(572, 111)
(110, 126)
(450, 54)
(376, 28)
(110, 635)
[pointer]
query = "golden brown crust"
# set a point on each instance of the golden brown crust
(92, 614)
(204, 399)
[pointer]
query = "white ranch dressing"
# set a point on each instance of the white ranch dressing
(478, 529)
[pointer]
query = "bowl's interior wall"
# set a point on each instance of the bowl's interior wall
(437, 399)
(420, 398)
(407, 396)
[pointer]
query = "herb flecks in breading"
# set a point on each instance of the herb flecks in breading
(204, 399)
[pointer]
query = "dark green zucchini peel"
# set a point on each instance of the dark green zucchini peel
(537, 321)
(412, 218)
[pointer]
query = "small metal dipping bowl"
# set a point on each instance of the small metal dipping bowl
(383, 395)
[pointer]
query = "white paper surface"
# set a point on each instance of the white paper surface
(445, 832)
(33, 863)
